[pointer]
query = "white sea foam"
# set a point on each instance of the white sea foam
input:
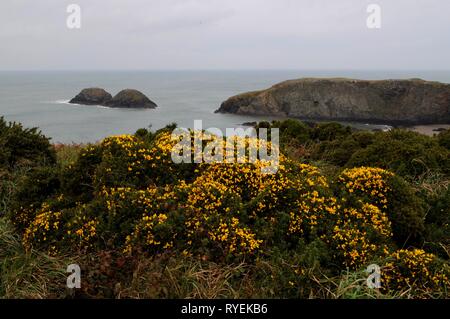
(62, 102)
(67, 102)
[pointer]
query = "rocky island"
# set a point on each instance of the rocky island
(412, 101)
(92, 96)
(124, 99)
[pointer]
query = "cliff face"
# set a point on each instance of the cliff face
(387, 101)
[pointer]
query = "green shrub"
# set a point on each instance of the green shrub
(417, 270)
(444, 139)
(264, 124)
(67, 154)
(437, 234)
(292, 131)
(405, 153)
(297, 132)
(330, 131)
(126, 197)
(407, 212)
(293, 273)
(77, 179)
(390, 193)
(32, 189)
(23, 147)
(408, 154)
(340, 150)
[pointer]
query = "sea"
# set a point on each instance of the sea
(40, 98)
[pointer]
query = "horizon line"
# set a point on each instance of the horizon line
(229, 70)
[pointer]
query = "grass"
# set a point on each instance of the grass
(31, 274)
(36, 275)
(434, 183)
(8, 182)
(67, 153)
(182, 278)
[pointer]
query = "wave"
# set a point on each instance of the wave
(67, 102)
(62, 102)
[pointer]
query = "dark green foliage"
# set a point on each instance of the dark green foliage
(297, 132)
(292, 131)
(77, 179)
(406, 211)
(264, 124)
(142, 133)
(24, 157)
(339, 151)
(36, 186)
(329, 131)
(23, 147)
(148, 136)
(32, 188)
(444, 139)
(437, 234)
(289, 274)
(405, 153)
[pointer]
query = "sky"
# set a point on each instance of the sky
(224, 34)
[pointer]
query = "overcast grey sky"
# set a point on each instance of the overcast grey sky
(224, 34)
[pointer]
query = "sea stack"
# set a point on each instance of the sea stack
(92, 96)
(124, 99)
(394, 102)
(131, 99)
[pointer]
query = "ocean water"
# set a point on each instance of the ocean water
(40, 99)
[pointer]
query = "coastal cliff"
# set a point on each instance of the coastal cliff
(412, 101)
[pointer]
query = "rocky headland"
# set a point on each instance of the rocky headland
(393, 102)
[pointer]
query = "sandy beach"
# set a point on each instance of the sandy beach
(429, 130)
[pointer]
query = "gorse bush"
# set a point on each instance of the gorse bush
(125, 198)
(126, 194)
(339, 151)
(299, 132)
(23, 147)
(405, 153)
(437, 224)
(444, 139)
(415, 269)
(32, 189)
(21, 150)
(392, 195)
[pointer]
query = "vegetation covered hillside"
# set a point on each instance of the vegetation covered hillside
(141, 226)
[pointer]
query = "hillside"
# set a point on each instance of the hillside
(141, 226)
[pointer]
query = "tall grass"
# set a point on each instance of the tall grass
(28, 274)
(36, 275)
(67, 153)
